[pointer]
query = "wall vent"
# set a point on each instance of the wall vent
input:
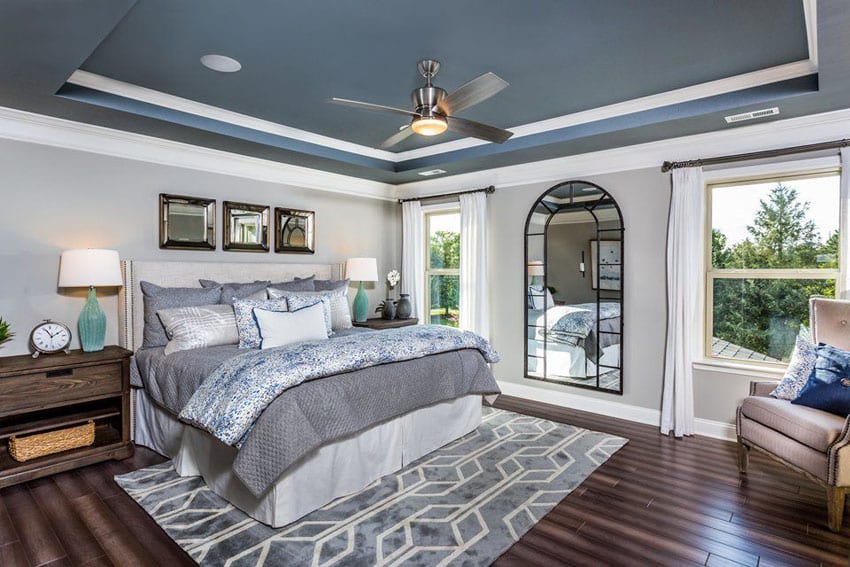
(431, 172)
(752, 115)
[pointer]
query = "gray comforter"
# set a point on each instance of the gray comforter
(319, 411)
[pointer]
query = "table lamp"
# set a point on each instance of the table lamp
(90, 268)
(362, 270)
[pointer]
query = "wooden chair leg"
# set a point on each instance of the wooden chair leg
(835, 506)
(743, 457)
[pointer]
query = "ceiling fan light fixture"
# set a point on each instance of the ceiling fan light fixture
(429, 125)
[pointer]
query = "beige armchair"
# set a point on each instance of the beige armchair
(810, 441)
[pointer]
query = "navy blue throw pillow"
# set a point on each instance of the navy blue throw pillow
(828, 387)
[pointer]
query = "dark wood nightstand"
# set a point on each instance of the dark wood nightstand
(62, 390)
(380, 324)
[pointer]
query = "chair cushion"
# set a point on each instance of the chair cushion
(814, 428)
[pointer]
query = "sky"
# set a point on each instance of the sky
(735, 207)
(448, 223)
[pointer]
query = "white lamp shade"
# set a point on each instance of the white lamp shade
(361, 269)
(90, 267)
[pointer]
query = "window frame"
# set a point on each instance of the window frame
(754, 176)
(428, 213)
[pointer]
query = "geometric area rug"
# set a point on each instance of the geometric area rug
(464, 504)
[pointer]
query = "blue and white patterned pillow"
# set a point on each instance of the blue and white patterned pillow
(249, 331)
(299, 301)
(799, 368)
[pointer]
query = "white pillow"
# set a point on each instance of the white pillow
(340, 315)
(538, 299)
(280, 328)
(198, 327)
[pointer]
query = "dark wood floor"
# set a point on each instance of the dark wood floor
(658, 501)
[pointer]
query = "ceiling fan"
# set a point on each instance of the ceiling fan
(434, 111)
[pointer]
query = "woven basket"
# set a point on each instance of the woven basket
(33, 446)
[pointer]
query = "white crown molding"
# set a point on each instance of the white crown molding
(57, 132)
(619, 410)
(731, 140)
(127, 90)
(694, 92)
(676, 96)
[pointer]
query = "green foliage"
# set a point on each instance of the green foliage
(764, 315)
(6, 333)
(444, 253)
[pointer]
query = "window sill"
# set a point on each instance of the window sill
(749, 370)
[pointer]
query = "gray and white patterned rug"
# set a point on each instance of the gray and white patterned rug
(464, 504)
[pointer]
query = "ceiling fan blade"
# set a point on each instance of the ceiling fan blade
(473, 92)
(478, 130)
(402, 134)
(370, 106)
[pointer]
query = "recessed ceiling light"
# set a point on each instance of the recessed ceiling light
(221, 63)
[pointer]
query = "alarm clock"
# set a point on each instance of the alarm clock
(50, 337)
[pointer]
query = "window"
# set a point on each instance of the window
(442, 266)
(773, 244)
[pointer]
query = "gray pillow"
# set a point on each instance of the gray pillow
(157, 298)
(231, 291)
(339, 314)
(331, 285)
(305, 284)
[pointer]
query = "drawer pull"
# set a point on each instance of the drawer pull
(58, 373)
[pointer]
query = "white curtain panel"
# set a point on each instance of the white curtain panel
(844, 226)
(685, 251)
(412, 262)
(474, 290)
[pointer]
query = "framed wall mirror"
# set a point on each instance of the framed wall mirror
(295, 231)
(573, 292)
(246, 227)
(186, 223)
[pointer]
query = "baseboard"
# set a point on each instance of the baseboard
(638, 414)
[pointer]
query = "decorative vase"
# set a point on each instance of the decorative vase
(403, 307)
(389, 309)
(361, 305)
(92, 324)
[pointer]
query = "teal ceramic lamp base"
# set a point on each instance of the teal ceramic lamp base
(92, 324)
(361, 305)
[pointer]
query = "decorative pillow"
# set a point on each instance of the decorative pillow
(799, 368)
(340, 315)
(246, 325)
(199, 327)
(231, 291)
(331, 285)
(302, 300)
(280, 328)
(157, 298)
(828, 387)
(306, 284)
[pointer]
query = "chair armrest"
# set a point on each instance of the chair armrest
(762, 388)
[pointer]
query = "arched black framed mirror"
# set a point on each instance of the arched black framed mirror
(574, 288)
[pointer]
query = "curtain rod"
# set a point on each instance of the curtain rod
(487, 190)
(668, 165)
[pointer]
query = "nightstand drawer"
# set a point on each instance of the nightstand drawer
(44, 389)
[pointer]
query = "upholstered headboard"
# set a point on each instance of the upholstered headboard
(187, 274)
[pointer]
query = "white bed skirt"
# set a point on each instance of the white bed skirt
(334, 470)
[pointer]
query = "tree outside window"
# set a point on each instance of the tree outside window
(774, 244)
(442, 270)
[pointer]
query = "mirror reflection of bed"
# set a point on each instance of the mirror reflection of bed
(574, 288)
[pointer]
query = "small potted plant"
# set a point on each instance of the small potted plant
(6, 333)
(388, 306)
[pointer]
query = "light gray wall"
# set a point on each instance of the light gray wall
(54, 199)
(564, 245)
(644, 198)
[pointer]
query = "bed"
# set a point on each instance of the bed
(571, 341)
(289, 466)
